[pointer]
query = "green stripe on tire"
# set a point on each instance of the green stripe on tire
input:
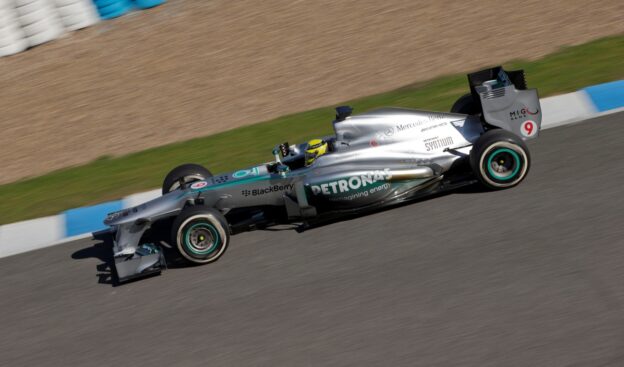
(209, 250)
(516, 168)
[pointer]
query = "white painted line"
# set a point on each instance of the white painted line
(31, 235)
(140, 198)
(609, 112)
(565, 109)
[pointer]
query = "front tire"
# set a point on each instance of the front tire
(182, 175)
(200, 234)
(500, 159)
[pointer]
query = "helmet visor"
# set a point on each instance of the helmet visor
(310, 156)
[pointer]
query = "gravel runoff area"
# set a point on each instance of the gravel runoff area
(192, 68)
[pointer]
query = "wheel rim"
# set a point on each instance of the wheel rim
(202, 251)
(504, 164)
(201, 238)
(511, 174)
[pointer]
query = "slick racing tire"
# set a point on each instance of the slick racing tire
(500, 159)
(200, 234)
(64, 3)
(13, 48)
(76, 22)
(183, 175)
(23, 7)
(71, 9)
(43, 37)
(466, 105)
(33, 17)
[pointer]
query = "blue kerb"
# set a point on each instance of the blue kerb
(607, 96)
(109, 9)
(144, 4)
(89, 219)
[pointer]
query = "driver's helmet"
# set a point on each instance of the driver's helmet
(315, 149)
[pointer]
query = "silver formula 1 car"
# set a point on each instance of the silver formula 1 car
(374, 160)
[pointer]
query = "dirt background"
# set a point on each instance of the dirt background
(191, 68)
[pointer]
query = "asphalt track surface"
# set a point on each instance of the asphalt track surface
(532, 276)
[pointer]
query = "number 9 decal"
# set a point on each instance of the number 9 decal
(528, 128)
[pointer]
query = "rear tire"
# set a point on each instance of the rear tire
(466, 105)
(500, 159)
(183, 175)
(200, 234)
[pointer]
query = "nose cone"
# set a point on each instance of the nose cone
(163, 205)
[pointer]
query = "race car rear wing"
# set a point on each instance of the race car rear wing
(506, 102)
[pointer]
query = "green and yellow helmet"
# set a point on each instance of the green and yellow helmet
(315, 149)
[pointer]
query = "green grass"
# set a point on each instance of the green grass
(111, 178)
